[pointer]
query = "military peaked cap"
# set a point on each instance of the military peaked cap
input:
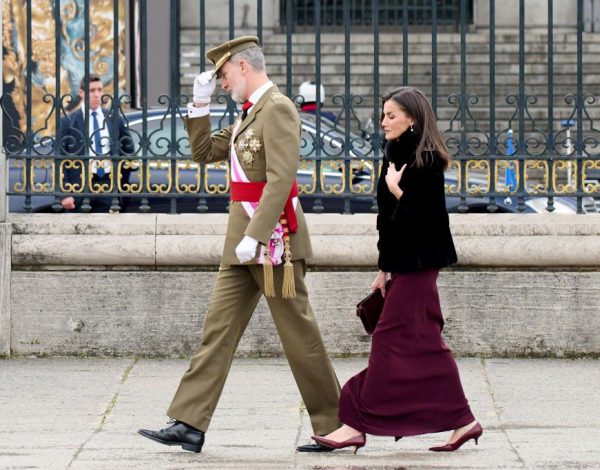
(223, 52)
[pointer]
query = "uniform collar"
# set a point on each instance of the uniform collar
(254, 97)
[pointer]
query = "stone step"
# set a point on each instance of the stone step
(361, 67)
(442, 49)
(443, 92)
(479, 85)
(479, 111)
(475, 84)
(191, 54)
(480, 37)
(506, 49)
(476, 71)
(443, 69)
(364, 88)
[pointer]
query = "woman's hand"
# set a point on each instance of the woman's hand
(392, 179)
(379, 282)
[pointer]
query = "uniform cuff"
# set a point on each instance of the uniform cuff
(194, 112)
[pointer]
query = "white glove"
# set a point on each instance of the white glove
(246, 250)
(204, 86)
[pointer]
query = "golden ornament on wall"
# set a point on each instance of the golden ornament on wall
(43, 77)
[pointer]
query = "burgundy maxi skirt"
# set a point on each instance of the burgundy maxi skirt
(411, 385)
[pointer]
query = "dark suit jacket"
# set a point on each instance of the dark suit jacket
(414, 231)
(72, 141)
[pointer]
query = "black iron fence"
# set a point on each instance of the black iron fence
(518, 144)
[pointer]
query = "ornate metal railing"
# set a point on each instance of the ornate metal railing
(505, 155)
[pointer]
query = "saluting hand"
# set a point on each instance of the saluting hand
(204, 86)
(392, 179)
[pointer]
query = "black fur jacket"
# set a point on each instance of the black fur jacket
(414, 231)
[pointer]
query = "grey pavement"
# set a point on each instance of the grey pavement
(78, 413)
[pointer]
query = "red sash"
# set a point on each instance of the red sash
(252, 192)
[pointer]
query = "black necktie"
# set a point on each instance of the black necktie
(245, 107)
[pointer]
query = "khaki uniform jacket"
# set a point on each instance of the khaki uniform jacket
(268, 147)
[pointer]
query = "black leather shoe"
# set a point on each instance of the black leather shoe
(316, 447)
(179, 434)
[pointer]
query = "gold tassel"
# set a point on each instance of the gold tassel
(268, 275)
(288, 290)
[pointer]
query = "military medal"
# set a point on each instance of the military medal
(248, 158)
(249, 145)
(254, 144)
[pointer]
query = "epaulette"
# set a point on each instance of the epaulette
(276, 96)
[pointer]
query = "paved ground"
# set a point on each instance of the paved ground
(84, 413)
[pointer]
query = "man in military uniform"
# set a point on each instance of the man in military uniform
(266, 246)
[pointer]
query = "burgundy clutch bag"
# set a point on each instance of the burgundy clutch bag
(369, 309)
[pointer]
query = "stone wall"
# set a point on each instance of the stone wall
(526, 285)
(5, 271)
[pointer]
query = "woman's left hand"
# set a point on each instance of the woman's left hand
(392, 179)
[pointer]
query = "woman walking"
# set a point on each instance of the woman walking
(411, 385)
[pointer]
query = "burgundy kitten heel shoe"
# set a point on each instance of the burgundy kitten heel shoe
(357, 442)
(474, 433)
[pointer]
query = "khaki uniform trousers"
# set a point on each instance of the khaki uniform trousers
(236, 293)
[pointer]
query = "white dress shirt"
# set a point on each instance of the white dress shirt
(104, 140)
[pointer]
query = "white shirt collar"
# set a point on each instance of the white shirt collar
(98, 110)
(254, 97)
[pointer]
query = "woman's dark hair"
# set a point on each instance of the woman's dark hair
(416, 105)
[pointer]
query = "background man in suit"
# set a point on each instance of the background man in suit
(72, 143)
(266, 226)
